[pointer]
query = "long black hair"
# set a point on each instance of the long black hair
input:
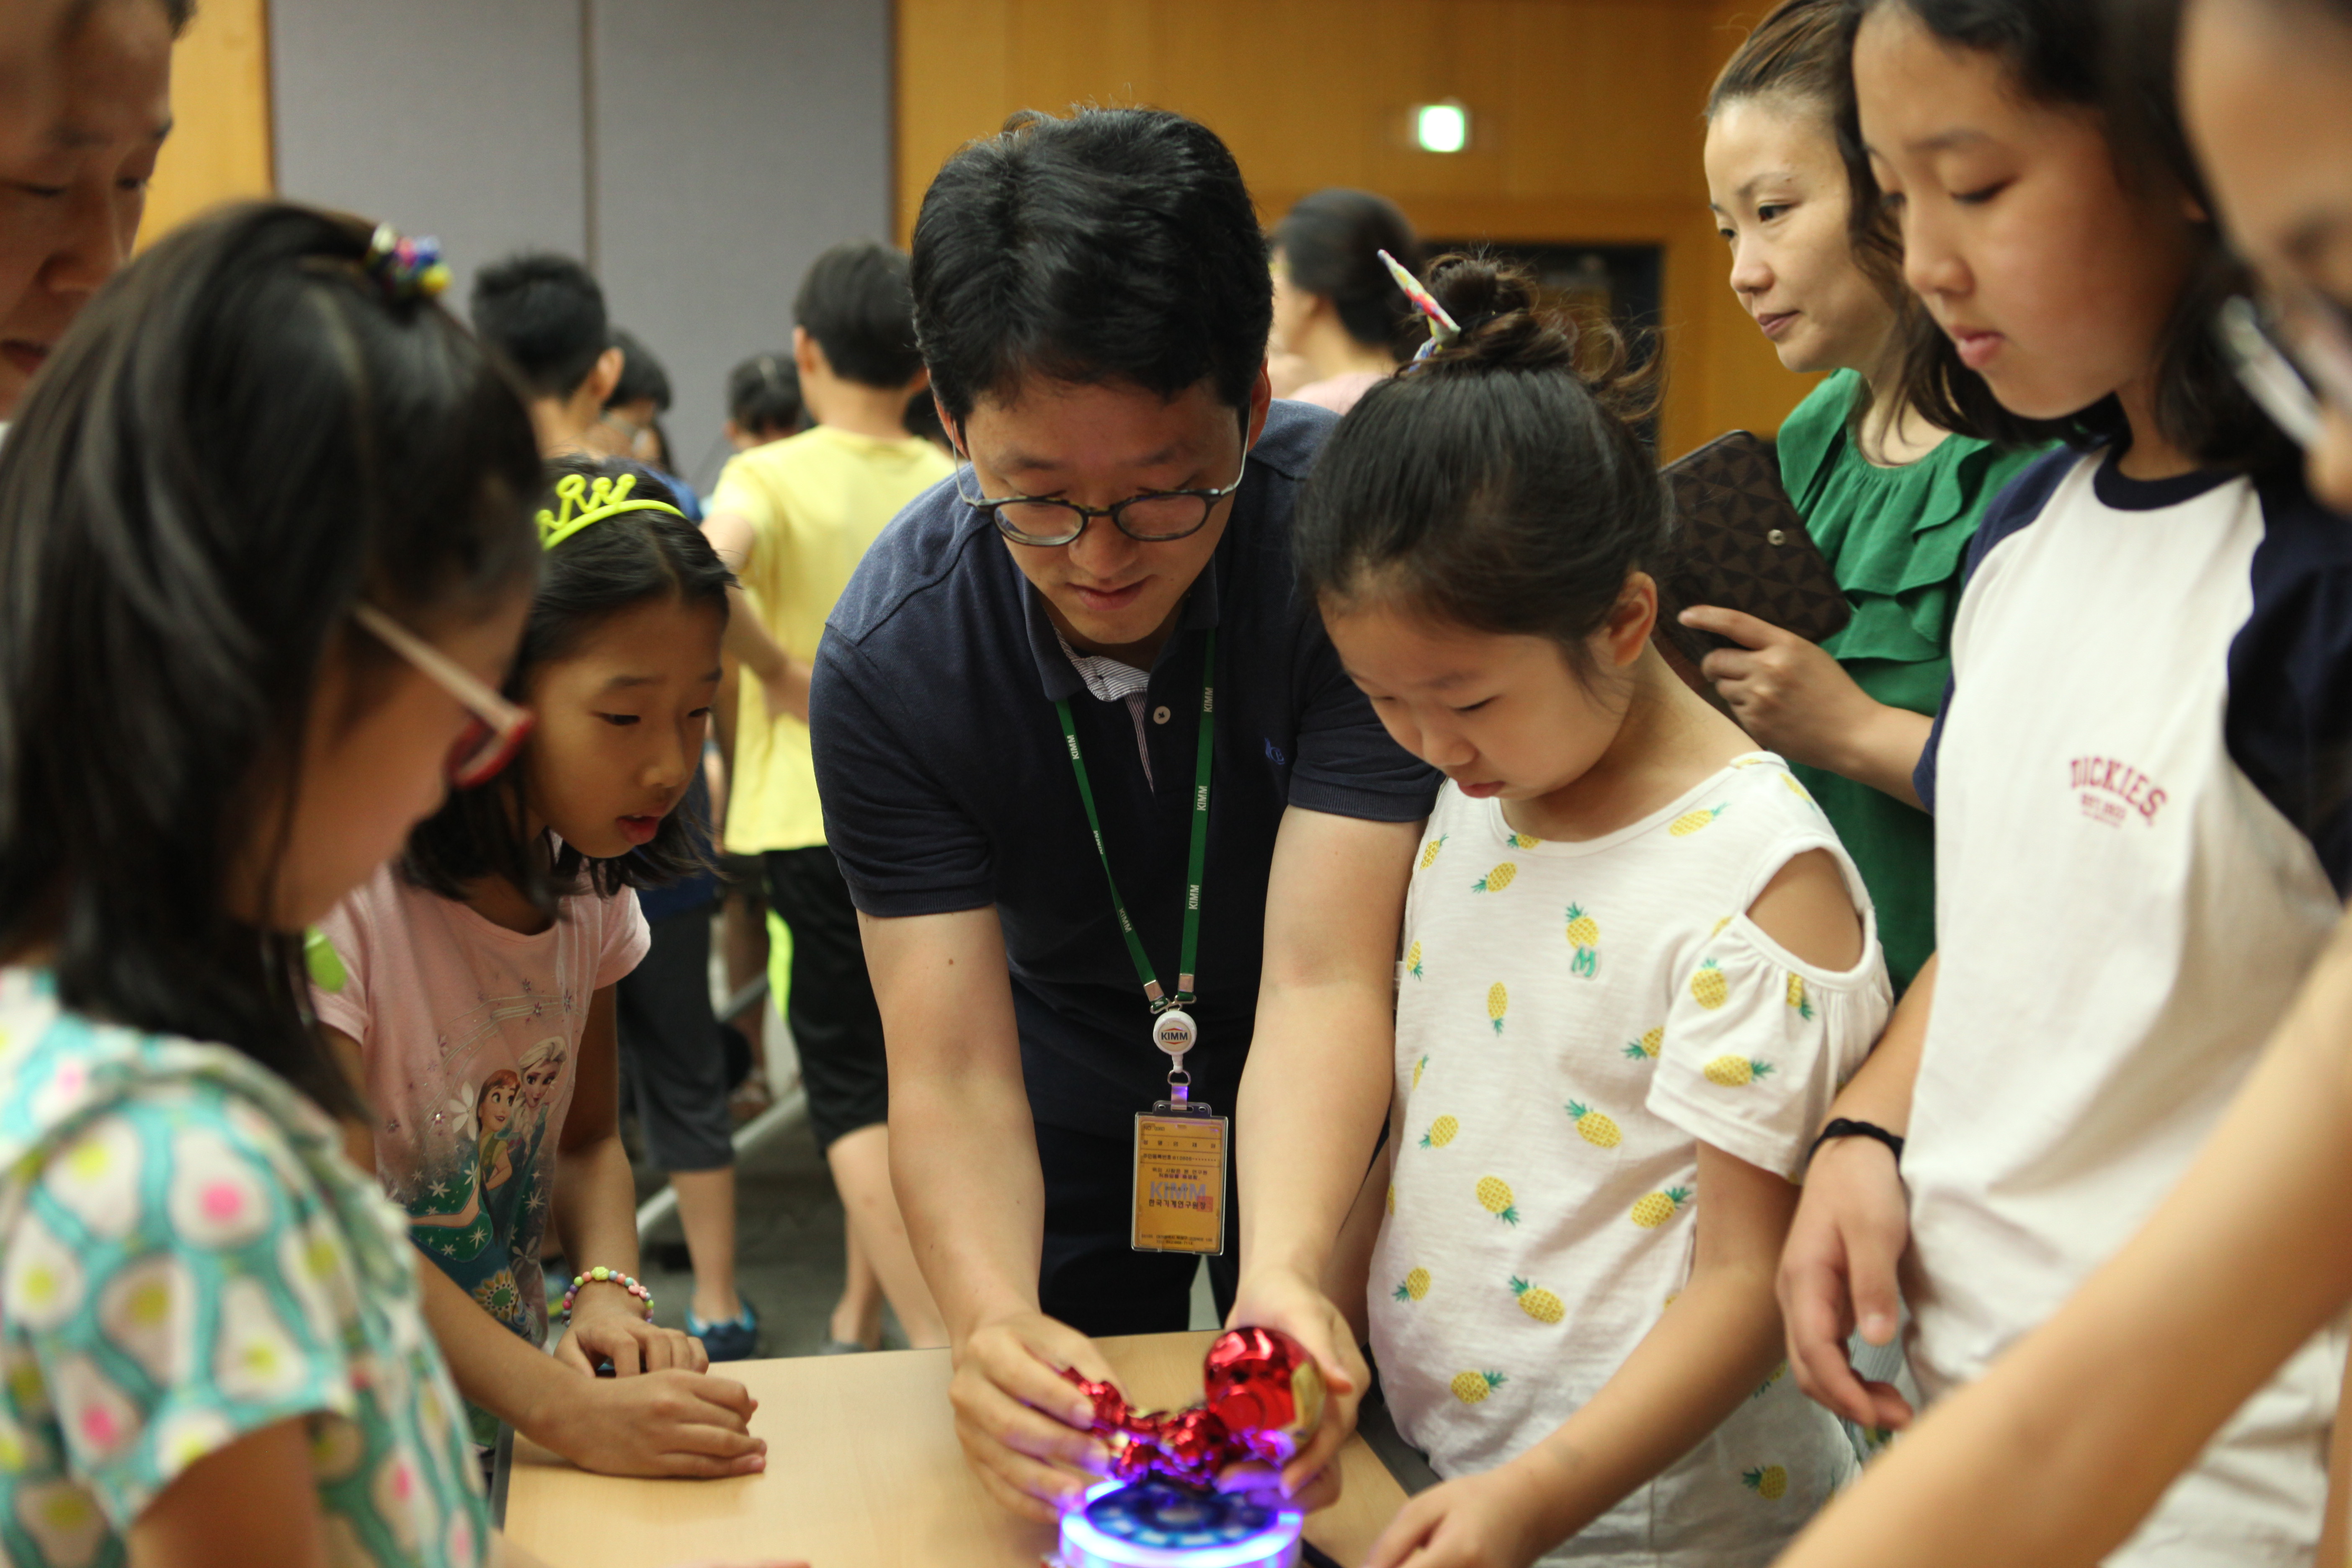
(1498, 484)
(610, 566)
(242, 436)
(2070, 53)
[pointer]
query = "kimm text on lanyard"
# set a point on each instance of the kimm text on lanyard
(1180, 1145)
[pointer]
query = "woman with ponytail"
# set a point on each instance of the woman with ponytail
(1637, 963)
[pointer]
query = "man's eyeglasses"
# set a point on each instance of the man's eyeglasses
(499, 729)
(1153, 517)
(2293, 355)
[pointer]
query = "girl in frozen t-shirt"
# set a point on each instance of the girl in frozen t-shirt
(478, 995)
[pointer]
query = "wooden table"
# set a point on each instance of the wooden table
(864, 1471)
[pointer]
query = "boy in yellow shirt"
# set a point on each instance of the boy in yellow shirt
(793, 518)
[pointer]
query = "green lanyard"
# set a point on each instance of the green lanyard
(1183, 996)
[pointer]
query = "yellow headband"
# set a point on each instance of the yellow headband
(579, 505)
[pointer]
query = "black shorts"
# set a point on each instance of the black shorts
(672, 1055)
(836, 1026)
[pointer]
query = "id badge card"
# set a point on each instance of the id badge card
(1179, 1181)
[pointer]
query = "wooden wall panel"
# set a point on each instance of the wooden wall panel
(1585, 126)
(220, 146)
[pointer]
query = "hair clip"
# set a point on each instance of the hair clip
(405, 268)
(1443, 329)
(578, 504)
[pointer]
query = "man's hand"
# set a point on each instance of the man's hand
(1280, 1298)
(1485, 1521)
(1838, 1271)
(606, 1325)
(1023, 1426)
(659, 1424)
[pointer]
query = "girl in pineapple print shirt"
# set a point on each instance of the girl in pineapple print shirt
(1637, 967)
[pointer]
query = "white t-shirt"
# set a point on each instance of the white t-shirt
(2149, 677)
(1572, 1019)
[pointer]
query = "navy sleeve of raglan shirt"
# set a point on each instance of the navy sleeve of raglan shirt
(2018, 503)
(2288, 719)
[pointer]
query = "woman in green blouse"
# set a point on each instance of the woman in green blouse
(1891, 499)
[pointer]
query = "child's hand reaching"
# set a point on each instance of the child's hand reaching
(1492, 1520)
(607, 1326)
(660, 1424)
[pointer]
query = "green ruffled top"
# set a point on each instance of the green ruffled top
(1897, 540)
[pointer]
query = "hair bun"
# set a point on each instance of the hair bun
(1505, 325)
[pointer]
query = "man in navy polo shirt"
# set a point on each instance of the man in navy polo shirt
(1093, 299)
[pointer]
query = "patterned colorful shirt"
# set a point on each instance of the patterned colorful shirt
(189, 1258)
(1573, 1020)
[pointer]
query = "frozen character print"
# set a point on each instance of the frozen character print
(542, 1071)
(467, 1242)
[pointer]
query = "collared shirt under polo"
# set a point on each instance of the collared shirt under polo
(947, 785)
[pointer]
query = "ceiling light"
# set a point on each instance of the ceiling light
(1440, 127)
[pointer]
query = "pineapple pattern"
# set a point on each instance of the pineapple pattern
(1594, 1128)
(1494, 1197)
(1690, 822)
(1471, 1387)
(1736, 1072)
(1584, 935)
(1653, 1209)
(1541, 1305)
(1572, 1041)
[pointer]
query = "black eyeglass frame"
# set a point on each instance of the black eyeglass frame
(1116, 512)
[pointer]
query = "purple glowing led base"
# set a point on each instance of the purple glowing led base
(1157, 1524)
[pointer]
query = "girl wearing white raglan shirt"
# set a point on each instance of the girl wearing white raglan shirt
(2138, 853)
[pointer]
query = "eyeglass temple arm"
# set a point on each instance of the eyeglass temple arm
(444, 671)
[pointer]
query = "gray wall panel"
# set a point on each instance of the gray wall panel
(708, 152)
(448, 117)
(735, 140)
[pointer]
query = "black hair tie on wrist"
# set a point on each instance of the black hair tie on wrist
(1840, 1127)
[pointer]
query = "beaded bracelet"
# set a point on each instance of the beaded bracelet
(607, 1277)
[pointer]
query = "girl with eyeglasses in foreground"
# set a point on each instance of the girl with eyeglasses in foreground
(258, 456)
